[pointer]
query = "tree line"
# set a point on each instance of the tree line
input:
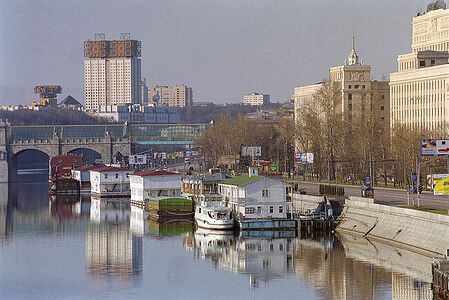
(346, 148)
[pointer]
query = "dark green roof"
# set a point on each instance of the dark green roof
(241, 180)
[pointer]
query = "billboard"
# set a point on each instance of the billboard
(434, 147)
(137, 159)
(304, 158)
(253, 151)
(432, 181)
(274, 166)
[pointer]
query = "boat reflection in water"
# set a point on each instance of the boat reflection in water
(113, 252)
(263, 258)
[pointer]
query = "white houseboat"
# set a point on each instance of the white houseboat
(213, 215)
(160, 191)
(254, 197)
(109, 181)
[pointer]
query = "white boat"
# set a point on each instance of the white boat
(213, 215)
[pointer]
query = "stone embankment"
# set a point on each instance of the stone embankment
(428, 232)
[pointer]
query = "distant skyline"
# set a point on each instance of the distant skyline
(222, 49)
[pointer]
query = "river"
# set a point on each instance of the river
(87, 248)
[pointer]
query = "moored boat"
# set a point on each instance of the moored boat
(212, 215)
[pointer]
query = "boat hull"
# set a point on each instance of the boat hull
(214, 224)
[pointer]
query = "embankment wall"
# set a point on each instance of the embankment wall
(424, 231)
(304, 203)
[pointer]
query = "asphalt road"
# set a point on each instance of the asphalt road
(386, 195)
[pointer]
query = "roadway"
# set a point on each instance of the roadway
(386, 196)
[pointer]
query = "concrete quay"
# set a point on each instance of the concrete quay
(423, 231)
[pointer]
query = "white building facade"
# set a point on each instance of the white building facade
(255, 197)
(109, 181)
(256, 99)
(152, 184)
(112, 72)
(140, 114)
(419, 90)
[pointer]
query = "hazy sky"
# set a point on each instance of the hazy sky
(222, 49)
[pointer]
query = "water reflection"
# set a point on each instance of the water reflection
(262, 258)
(111, 248)
(354, 267)
(104, 241)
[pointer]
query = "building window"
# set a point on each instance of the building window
(382, 97)
(281, 209)
(105, 176)
(349, 96)
(356, 86)
(281, 247)
(350, 107)
(432, 62)
(422, 63)
(271, 209)
(116, 175)
(259, 209)
(349, 86)
(264, 193)
(363, 86)
(249, 210)
(382, 107)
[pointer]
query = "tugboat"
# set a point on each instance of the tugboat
(213, 215)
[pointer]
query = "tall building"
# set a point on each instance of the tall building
(419, 90)
(357, 90)
(112, 72)
(178, 95)
(256, 99)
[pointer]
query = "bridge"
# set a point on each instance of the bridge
(106, 140)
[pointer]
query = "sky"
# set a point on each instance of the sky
(222, 49)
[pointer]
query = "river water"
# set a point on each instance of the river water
(87, 248)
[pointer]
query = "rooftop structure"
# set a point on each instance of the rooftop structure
(101, 48)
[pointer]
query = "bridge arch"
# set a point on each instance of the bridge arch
(29, 160)
(99, 150)
(89, 155)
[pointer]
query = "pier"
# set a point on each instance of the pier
(307, 226)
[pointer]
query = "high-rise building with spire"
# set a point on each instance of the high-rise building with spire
(359, 93)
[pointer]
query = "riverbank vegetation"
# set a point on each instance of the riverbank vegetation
(346, 147)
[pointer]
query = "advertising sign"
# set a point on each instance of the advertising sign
(433, 180)
(253, 151)
(434, 147)
(274, 166)
(442, 187)
(137, 159)
(304, 158)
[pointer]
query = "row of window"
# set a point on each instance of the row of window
(252, 210)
